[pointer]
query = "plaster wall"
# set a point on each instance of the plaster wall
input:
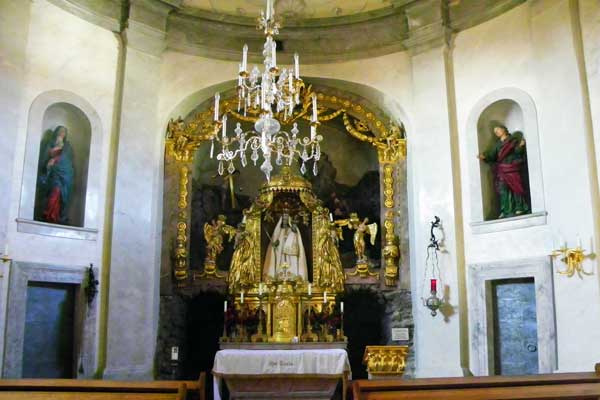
(56, 55)
(531, 48)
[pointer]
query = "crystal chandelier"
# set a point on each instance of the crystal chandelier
(272, 94)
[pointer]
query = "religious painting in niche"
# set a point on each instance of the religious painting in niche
(503, 154)
(347, 181)
(63, 165)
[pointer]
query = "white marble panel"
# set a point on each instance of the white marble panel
(20, 275)
(481, 313)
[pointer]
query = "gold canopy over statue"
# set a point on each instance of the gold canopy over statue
(289, 201)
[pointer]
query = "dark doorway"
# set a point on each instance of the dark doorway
(515, 327)
(204, 327)
(48, 343)
(362, 325)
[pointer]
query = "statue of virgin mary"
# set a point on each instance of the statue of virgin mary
(286, 247)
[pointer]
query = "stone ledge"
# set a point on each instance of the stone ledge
(506, 224)
(46, 229)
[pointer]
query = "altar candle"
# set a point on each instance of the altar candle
(244, 219)
(342, 307)
(325, 297)
(242, 298)
(434, 285)
(578, 241)
(290, 81)
(225, 306)
(217, 98)
(314, 105)
(310, 289)
(260, 289)
(331, 217)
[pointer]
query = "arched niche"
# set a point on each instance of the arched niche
(515, 110)
(84, 133)
(67, 118)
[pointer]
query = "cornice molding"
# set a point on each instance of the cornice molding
(413, 25)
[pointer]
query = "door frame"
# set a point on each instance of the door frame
(481, 335)
(21, 273)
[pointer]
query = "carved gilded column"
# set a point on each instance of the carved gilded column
(390, 150)
(181, 145)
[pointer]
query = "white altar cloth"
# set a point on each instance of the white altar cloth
(313, 363)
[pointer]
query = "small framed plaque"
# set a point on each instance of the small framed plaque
(400, 334)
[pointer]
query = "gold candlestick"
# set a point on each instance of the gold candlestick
(259, 336)
(309, 335)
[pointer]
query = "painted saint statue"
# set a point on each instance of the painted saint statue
(56, 174)
(286, 247)
(507, 159)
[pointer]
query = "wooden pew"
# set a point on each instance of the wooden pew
(546, 386)
(72, 389)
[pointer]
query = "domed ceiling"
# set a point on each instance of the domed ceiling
(302, 9)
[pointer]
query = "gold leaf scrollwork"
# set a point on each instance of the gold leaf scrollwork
(183, 187)
(181, 254)
(385, 360)
(391, 252)
(388, 185)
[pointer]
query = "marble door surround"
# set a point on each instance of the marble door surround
(481, 331)
(21, 273)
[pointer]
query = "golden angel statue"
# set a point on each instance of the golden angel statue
(329, 273)
(361, 228)
(243, 271)
(214, 235)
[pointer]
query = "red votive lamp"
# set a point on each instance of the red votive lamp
(434, 285)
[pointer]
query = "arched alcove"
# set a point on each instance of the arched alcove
(514, 109)
(182, 178)
(49, 111)
(71, 158)
(507, 113)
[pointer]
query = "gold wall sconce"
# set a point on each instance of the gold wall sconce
(573, 258)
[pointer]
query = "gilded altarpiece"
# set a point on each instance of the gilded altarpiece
(185, 137)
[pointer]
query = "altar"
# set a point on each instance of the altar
(277, 374)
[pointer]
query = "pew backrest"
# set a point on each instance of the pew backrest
(546, 386)
(71, 389)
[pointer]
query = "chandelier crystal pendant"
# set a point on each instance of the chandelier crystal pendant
(271, 93)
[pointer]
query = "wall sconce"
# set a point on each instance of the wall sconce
(432, 270)
(573, 258)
